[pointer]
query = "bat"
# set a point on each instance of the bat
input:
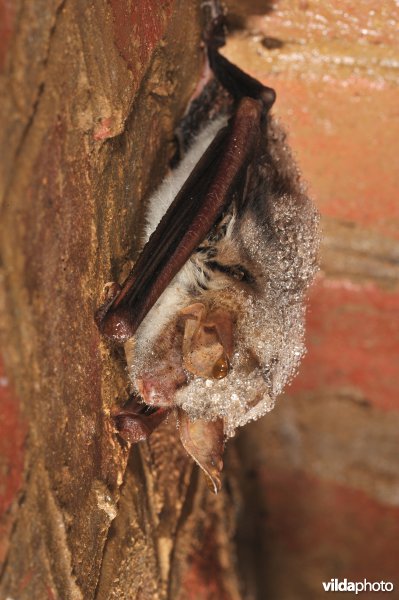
(212, 314)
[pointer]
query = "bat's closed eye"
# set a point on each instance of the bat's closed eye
(237, 272)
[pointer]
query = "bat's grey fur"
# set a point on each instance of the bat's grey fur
(257, 264)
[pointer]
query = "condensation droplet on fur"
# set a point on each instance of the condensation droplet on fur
(269, 333)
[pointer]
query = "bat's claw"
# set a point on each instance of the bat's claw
(110, 291)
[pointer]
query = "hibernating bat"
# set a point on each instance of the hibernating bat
(212, 313)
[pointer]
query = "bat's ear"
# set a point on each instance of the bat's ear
(207, 342)
(204, 442)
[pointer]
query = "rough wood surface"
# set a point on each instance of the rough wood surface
(91, 93)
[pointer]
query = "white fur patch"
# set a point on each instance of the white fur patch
(176, 295)
(167, 191)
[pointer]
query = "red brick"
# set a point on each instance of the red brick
(7, 16)
(315, 525)
(336, 81)
(344, 134)
(203, 578)
(328, 21)
(353, 342)
(12, 436)
(346, 147)
(139, 26)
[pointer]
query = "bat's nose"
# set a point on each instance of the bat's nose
(160, 388)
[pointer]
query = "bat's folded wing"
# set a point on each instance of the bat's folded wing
(218, 176)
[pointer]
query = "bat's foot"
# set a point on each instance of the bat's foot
(136, 421)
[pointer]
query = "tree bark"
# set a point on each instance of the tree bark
(91, 93)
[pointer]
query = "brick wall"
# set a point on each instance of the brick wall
(321, 471)
(324, 465)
